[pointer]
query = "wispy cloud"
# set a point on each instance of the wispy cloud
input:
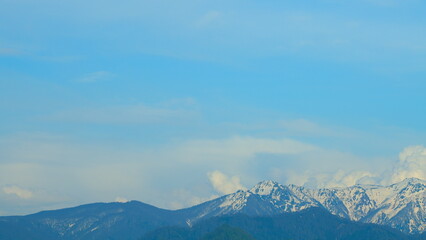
(124, 114)
(94, 172)
(224, 184)
(384, 3)
(95, 77)
(10, 52)
(208, 18)
(336, 178)
(306, 127)
(412, 163)
(62, 59)
(19, 192)
(121, 200)
(101, 172)
(241, 147)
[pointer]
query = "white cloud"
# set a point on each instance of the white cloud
(412, 163)
(340, 178)
(101, 172)
(305, 127)
(343, 178)
(241, 148)
(121, 200)
(17, 191)
(224, 184)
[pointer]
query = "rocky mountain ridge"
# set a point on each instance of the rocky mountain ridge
(401, 205)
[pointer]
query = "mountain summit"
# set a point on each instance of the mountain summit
(401, 205)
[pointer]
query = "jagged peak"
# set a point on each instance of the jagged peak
(409, 181)
(270, 184)
(265, 187)
(414, 180)
(266, 183)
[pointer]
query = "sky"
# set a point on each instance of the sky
(177, 102)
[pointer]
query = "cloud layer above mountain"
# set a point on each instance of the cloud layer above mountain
(412, 163)
(223, 184)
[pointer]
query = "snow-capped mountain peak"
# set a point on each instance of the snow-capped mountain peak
(411, 185)
(265, 187)
(401, 205)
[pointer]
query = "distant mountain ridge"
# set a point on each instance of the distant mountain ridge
(400, 206)
(309, 224)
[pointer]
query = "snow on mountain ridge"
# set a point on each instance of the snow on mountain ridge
(401, 205)
(265, 187)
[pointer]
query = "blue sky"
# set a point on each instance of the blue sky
(176, 102)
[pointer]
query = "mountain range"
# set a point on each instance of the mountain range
(309, 224)
(400, 206)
